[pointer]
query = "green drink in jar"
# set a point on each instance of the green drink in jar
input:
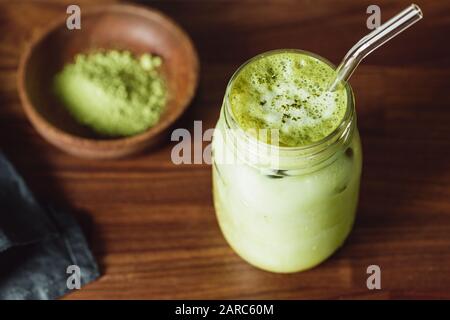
(294, 209)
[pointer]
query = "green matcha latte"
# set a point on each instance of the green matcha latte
(294, 213)
(288, 92)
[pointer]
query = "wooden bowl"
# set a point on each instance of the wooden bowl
(123, 27)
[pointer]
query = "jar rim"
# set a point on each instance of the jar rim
(325, 141)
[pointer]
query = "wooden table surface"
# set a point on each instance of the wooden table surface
(151, 224)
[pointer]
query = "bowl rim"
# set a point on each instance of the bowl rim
(41, 123)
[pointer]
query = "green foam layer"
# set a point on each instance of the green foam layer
(288, 91)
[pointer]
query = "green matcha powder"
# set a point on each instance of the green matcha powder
(113, 92)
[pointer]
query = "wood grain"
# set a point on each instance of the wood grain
(151, 224)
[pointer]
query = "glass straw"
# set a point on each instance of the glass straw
(375, 39)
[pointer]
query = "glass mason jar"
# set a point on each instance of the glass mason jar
(285, 209)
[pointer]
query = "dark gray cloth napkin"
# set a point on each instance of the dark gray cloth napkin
(37, 244)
